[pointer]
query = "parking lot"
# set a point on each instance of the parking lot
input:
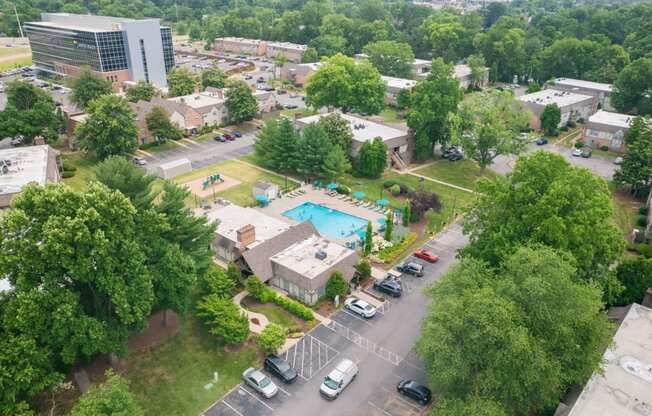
(382, 347)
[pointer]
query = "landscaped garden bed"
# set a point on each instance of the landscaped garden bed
(277, 315)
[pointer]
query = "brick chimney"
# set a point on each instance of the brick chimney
(246, 235)
(647, 299)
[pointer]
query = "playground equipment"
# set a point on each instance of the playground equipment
(212, 180)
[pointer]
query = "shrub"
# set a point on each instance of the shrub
(68, 167)
(293, 307)
(336, 285)
(642, 210)
(258, 290)
(571, 124)
(579, 144)
(563, 128)
(405, 189)
(635, 274)
(391, 253)
(216, 281)
(344, 190)
(67, 174)
(395, 190)
(271, 338)
(389, 183)
(604, 148)
(641, 220)
(224, 319)
(421, 201)
(644, 250)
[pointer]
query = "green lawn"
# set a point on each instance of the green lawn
(170, 379)
(463, 173)
(391, 115)
(13, 51)
(15, 63)
(240, 194)
(625, 209)
(84, 163)
(165, 146)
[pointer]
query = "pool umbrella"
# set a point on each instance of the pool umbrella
(332, 185)
(358, 195)
(382, 221)
(382, 202)
(262, 199)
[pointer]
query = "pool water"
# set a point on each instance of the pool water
(329, 222)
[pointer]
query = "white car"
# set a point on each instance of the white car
(258, 381)
(577, 152)
(139, 161)
(618, 160)
(338, 379)
(360, 307)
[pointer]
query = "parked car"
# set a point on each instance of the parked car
(260, 79)
(586, 152)
(229, 137)
(618, 160)
(219, 138)
(338, 379)
(280, 368)
(411, 267)
(237, 133)
(415, 391)
(248, 77)
(290, 106)
(576, 152)
(389, 285)
(427, 255)
(541, 141)
(281, 92)
(258, 381)
(17, 140)
(360, 307)
(139, 161)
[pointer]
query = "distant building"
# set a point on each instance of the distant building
(298, 74)
(623, 387)
(573, 106)
(173, 168)
(399, 143)
(117, 49)
(461, 72)
(291, 51)
(596, 89)
(607, 129)
(421, 68)
(267, 189)
(22, 166)
(395, 86)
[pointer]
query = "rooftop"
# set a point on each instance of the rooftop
(5, 285)
(461, 71)
(233, 217)
(239, 40)
(84, 22)
(399, 83)
(421, 62)
(287, 45)
(561, 98)
(28, 165)
(571, 82)
(311, 256)
(363, 130)
(625, 387)
(611, 119)
(200, 100)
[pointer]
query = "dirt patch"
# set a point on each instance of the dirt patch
(197, 186)
(325, 308)
(157, 331)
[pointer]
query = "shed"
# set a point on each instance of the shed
(266, 189)
(174, 168)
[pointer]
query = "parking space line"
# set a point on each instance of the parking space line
(284, 391)
(402, 400)
(231, 407)
(379, 408)
(257, 398)
(356, 317)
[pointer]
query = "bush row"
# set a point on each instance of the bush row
(642, 249)
(263, 294)
(390, 254)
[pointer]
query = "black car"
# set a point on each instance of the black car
(389, 286)
(415, 391)
(410, 267)
(280, 368)
(219, 138)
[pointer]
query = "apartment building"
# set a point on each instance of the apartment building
(595, 89)
(607, 129)
(573, 106)
(291, 51)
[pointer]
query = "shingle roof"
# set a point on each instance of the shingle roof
(258, 258)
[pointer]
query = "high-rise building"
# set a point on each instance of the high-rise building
(117, 49)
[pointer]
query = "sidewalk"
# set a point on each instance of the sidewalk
(450, 185)
(256, 328)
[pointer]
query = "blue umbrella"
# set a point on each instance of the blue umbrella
(358, 194)
(382, 202)
(332, 185)
(262, 199)
(382, 221)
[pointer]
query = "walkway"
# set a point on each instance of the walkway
(428, 178)
(254, 327)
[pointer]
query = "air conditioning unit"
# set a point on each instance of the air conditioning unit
(321, 255)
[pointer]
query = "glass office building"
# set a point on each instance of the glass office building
(116, 48)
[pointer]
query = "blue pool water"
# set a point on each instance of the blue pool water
(329, 222)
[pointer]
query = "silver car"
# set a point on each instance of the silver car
(360, 307)
(260, 382)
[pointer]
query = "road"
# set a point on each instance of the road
(381, 346)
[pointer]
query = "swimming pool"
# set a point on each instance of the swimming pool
(329, 222)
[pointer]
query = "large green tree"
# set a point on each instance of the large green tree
(181, 82)
(111, 398)
(391, 58)
(431, 102)
(635, 274)
(633, 88)
(159, 124)
(143, 90)
(636, 169)
(213, 77)
(119, 173)
(110, 128)
(518, 336)
(30, 112)
(336, 164)
(372, 158)
(224, 318)
(87, 87)
(545, 200)
(312, 148)
(240, 102)
(503, 46)
(550, 118)
(338, 130)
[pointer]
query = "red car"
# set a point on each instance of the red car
(427, 255)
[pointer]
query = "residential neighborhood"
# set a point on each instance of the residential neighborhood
(364, 208)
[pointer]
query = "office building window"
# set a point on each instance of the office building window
(144, 58)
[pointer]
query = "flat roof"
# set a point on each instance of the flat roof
(400, 83)
(561, 98)
(612, 119)
(5, 285)
(363, 130)
(571, 82)
(233, 217)
(461, 70)
(200, 100)
(302, 257)
(239, 40)
(84, 22)
(288, 45)
(421, 62)
(28, 165)
(625, 387)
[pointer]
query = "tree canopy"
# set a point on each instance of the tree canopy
(87, 87)
(633, 88)
(391, 58)
(181, 82)
(213, 77)
(636, 169)
(143, 90)
(159, 124)
(111, 398)
(240, 102)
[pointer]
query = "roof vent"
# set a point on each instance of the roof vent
(321, 255)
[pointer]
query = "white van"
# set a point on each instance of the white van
(338, 379)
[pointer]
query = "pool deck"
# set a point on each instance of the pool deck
(277, 207)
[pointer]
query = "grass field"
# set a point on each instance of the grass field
(170, 379)
(163, 147)
(13, 51)
(463, 173)
(391, 115)
(84, 164)
(14, 63)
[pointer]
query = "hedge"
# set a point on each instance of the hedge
(263, 294)
(390, 254)
(67, 174)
